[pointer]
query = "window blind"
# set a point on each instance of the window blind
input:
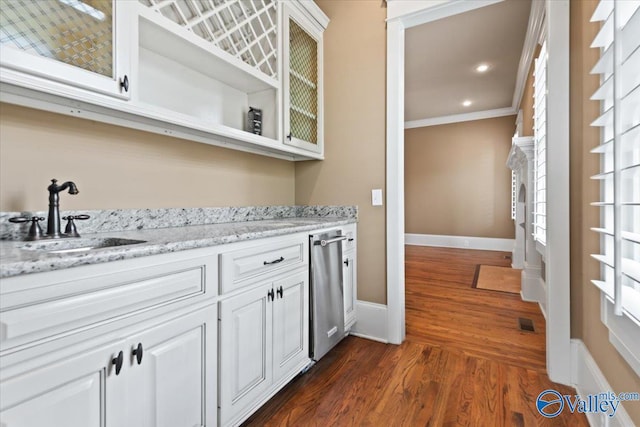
(619, 150)
(540, 147)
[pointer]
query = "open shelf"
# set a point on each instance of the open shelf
(169, 39)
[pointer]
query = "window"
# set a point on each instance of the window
(619, 150)
(540, 147)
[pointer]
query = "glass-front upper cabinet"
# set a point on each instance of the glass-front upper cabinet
(302, 81)
(82, 43)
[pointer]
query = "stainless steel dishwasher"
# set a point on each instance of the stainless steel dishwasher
(327, 303)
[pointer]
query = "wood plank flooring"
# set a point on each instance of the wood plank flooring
(464, 362)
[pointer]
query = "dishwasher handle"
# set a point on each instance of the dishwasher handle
(324, 243)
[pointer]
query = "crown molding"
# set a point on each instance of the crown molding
(466, 117)
(534, 35)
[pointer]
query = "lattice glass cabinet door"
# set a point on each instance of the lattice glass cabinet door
(302, 83)
(79, 42)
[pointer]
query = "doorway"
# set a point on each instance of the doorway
(403, 15)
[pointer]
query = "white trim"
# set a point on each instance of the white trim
(623, 333)
(534, 31)
(372, 321)
(587, 378)
(532, 285)
(413, 13)
(464, 242)
(395, 182)
(557, 261)
(465, 117)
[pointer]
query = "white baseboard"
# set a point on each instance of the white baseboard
(372, 321)
(587, 378)
(463, 242)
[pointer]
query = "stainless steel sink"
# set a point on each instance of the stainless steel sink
(60, 246)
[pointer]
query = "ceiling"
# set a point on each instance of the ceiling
(441, 57)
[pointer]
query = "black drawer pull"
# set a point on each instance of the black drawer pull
(280, 291)
(346, 262)
(274, 261)
(351, 239)
(137, 352)
(118, 362)
(270, 295)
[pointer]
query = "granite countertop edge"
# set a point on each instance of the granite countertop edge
(16, 262)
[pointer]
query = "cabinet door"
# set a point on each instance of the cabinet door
(245, 350)
(290, 324)
(349, 273)
(176, 376)
(81, 44)
(78, 391)
(302, 59)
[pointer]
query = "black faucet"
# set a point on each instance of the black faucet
(53, 222)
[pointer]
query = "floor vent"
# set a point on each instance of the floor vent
(525, 324)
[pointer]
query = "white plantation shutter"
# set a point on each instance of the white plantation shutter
(619, 96)
(540, 147)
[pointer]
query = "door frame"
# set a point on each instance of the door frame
(406, 14)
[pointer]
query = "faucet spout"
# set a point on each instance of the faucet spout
(53, 222)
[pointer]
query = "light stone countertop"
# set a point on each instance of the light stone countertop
(16, 259)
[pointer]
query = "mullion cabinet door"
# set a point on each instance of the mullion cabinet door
(85, 45)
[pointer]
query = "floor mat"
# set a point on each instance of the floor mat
(503, 279)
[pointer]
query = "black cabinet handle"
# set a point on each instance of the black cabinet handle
(270, 295)
(351, 239)
(280, 292)
(137, 352)
(274, 261)
(346, 262)
(124, 83)
(289, 136)
(118, 362)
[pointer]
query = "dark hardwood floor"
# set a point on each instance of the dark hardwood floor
(464, 362)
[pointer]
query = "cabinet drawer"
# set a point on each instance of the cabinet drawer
(243, 264)
(56, 308)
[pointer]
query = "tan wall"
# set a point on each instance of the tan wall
(354, 98)
(456, 179)
(585, 298)
(115, 167)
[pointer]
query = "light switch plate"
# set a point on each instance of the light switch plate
(376, 197)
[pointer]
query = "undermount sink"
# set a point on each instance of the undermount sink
(64, 245)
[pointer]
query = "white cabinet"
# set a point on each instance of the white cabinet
(302, 79)
(185, 68)
(349, 272)
(129, 343)
(350, 276)
(264, 342)
(171, 372)
(290, 324)
(105, 385)
(81, 390)
(85, 45)
(245, 350)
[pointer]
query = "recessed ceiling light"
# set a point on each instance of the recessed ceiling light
(482, 68)
(466, 103)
